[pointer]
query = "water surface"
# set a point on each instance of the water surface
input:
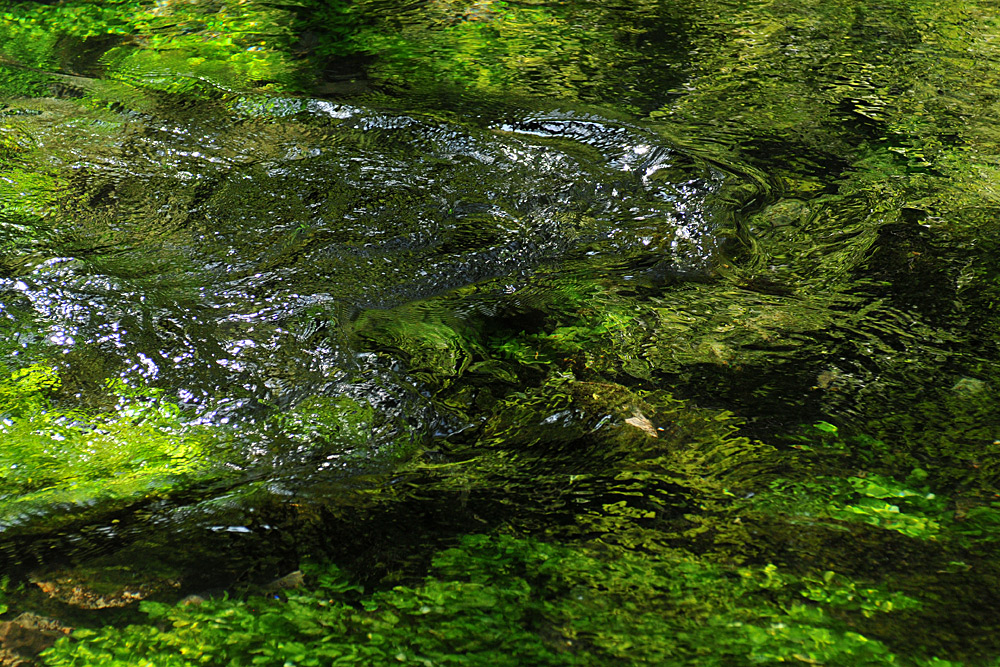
(634, 278)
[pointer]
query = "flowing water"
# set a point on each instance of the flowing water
(400, 272)
(213, 255)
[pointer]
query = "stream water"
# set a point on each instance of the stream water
(214, 256)
(384, 274)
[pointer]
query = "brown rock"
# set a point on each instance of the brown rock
(23, 638)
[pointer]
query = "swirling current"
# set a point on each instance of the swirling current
(227, 256)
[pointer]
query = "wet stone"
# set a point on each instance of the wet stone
(969, 387)
(104, 589)
(27, 635)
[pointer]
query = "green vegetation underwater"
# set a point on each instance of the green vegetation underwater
(482, 332)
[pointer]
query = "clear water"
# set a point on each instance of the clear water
(347, 275)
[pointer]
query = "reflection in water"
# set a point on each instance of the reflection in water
(432, 305)
(227, 257)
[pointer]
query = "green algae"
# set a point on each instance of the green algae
(505, 600)
(59, 464)
(173, 47)
(645, 427)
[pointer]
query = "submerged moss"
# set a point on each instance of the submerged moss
(504, 600)
(61, 464)
(173, 47)
(626, 425)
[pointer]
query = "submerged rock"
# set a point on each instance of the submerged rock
(969, 387)
(102, 588)
(27, 635)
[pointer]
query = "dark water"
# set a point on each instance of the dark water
(268, 231)
(228, 252)
(227, 260)
(485, 236)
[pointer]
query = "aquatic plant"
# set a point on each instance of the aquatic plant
(60, 465)
(780, 448)
(510, 601)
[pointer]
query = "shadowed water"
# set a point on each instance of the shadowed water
(653, 281)
(224, 250)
